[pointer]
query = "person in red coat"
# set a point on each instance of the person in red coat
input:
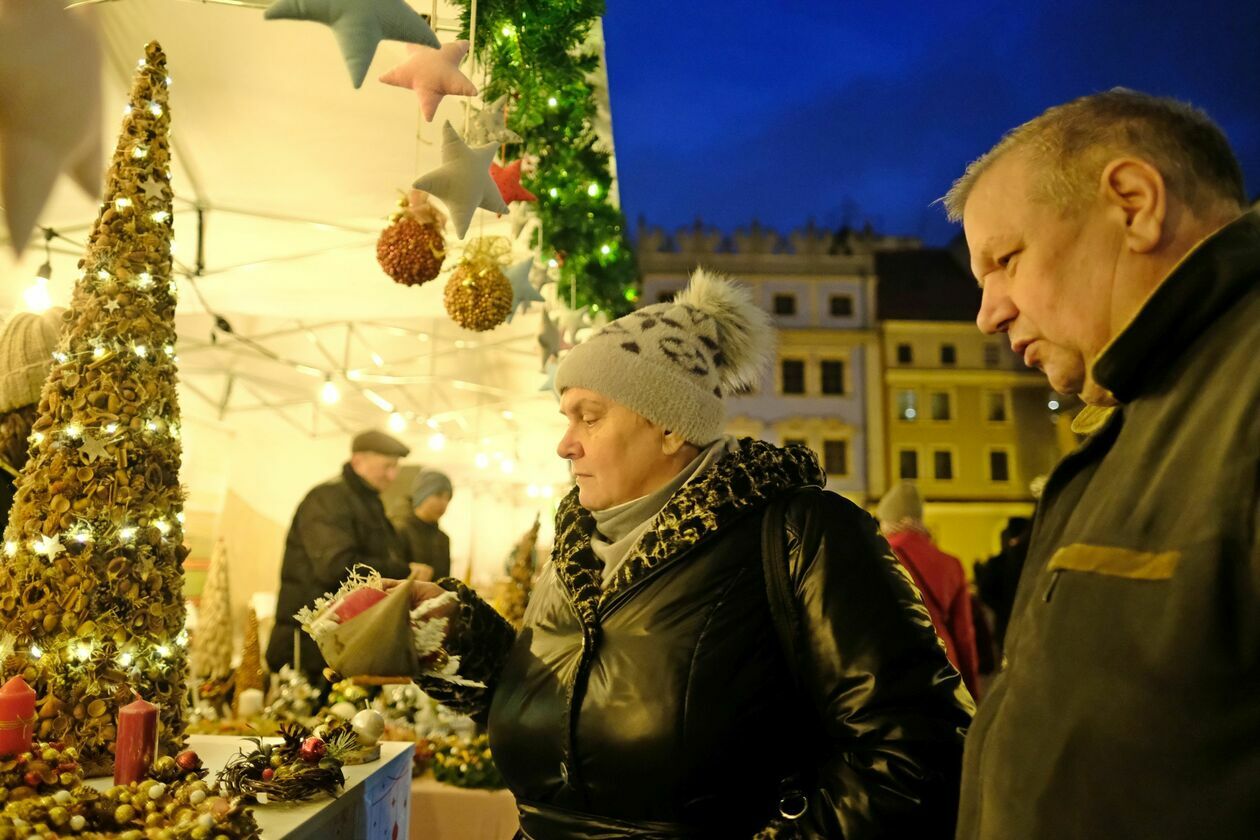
(938, 575)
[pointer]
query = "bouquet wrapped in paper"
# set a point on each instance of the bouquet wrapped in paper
(363, 629)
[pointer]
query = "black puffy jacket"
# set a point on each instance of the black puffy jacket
(659, 706)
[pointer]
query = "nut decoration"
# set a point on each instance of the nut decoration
(91, 587)
(478, 295)
(412, 249)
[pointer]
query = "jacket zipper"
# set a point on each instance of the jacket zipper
(1054, 581)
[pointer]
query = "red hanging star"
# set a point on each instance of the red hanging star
(508, 179)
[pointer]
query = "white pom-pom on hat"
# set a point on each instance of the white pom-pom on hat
(745, 332)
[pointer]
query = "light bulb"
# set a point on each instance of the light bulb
(179, 517)
(482, 460)
(163, 651)
(605, 250)
(140, 350)
(37, 297)
(397, 423)
(10, 548)
(102, 274)
(82, 537)
(551, 263)
(182, 638)
(111, 428)
(508, 466)
(592, 190)
(437, 441)
(83, 651)
(36, 651)
(60, 358)
(551, 100)
(163, 526)
(1053, 405)
(553, 192)
(98, 352)
(37, 437)
(139, 152)
(127, 534)
(120, 204)
(329, 393)
(151, 425)
(125, 659)
(145, 280)
(161, 216)
(155, 109)
(74, 430)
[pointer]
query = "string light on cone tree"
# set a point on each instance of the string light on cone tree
(535, 54)
(91, 593)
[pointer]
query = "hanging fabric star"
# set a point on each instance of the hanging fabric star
(550, 383)
(508, 179)
(49, 121)
(93, 448)
(463, 181)
(549, 340)
(572, 320)
(523, 292)
(489, 125)
(433, 74)
(360, 25)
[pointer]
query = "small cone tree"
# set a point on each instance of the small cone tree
(520, 583)
(91, 590)
(210, 655)
(250, 673)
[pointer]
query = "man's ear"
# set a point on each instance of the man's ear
(672, 442)
(1135, 188)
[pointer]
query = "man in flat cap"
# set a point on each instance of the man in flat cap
(427, 546)
(339, 525)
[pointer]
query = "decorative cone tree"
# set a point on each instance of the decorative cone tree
(210, 655)
(91, 603)
(520, 583)
(250, 673)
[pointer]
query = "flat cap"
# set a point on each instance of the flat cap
(374, 441)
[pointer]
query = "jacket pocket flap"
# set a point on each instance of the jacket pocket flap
(1117, 562)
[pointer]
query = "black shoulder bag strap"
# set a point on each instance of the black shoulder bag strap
(793, 796)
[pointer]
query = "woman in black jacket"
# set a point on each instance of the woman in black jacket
(648, 694)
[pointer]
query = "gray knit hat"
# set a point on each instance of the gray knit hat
(429, 483)
(673, 362)
(27, 342)
(900, 503)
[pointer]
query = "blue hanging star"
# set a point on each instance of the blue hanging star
(523, 291)
(360, 25)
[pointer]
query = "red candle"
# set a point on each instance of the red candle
(17, 717)
(137, 741)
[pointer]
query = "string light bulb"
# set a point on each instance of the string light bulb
(329, 393)
(482, 460)
(397, 423)
(437, 441)
(37, 298)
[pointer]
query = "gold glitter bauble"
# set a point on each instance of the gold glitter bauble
(411, 252)
(478, 296)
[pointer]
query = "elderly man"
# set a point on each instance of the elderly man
(427, 546)
(1109, 237)
(649, 693)
(339, 525)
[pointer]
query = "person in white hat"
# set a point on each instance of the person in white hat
(650, 693)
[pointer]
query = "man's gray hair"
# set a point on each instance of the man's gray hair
(1069, 145)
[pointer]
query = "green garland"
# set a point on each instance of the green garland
(533, 50)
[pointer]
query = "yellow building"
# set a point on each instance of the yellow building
(966, 421)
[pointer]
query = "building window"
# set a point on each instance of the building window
(833, 376)
(785, 304)
(995, 406)
(842, 306)
(907, 404)
(992, 355)
(836, 457)
(908, 464)
(943, 465)
(793, 376)
(940, 405)
(949, 354)
(905, 354)
(794, 442)
(999, 465)
(665, 297)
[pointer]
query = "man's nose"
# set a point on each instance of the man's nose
(997, 310)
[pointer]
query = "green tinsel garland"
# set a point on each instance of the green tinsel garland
(533, 50)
